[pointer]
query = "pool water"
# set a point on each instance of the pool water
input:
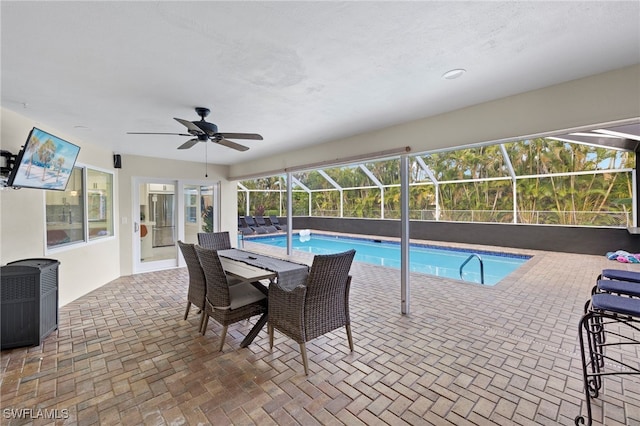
(426, 259)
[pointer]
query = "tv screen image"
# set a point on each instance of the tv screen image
(45, 162)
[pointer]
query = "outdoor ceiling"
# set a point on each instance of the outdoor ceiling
(298, 73)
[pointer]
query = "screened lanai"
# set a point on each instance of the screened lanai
(578, 179)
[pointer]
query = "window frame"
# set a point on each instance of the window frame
(86, 241)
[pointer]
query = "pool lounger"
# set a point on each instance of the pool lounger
(616, 304)
(612, 320)
(618, 287)
(620, 275)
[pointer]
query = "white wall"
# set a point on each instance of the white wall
(145, 167)
(598, 99)
(22, 218)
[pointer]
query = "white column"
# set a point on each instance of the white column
(405, 284)
(289, 214)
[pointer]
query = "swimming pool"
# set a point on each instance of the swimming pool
(426, 259)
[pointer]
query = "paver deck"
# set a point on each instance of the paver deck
(465, 355)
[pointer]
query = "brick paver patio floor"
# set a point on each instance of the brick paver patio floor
(465, 355)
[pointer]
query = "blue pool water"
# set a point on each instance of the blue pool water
(440, 261)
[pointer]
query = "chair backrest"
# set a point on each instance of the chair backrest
(217, 286)
(249, 220)
(326, 300)
(214, 240)
(274, 220)
(197, 282)
(260, 220)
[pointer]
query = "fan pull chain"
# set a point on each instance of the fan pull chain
(206, 159)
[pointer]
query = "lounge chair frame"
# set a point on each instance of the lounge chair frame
(611, 320)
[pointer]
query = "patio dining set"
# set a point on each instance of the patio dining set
(608, 332)
(302, 302)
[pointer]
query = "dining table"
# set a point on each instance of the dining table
(255, 267)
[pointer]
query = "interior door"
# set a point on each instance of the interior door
(156, 230)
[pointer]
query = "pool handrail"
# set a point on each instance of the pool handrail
(481, 266)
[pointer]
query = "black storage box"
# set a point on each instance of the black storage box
(29, 297)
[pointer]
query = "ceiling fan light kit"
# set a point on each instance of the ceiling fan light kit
(204, 131)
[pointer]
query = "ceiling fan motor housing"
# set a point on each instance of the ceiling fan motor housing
(209, 128)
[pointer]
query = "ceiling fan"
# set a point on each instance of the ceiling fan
(205, 131)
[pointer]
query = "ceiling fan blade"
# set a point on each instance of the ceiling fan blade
(154, 133)
(188, 144)
(230, 144)
(253, 136)
(189, 125)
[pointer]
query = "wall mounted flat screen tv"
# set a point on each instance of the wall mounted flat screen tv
(45, 162)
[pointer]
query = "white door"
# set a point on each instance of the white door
(156, 225)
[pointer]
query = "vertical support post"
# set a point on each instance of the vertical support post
(437, 190)
(289, 214)
(405, 284)
(515, 200)
(514, 177)
(635, 177)
(279, 196)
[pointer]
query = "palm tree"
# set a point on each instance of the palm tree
(32, 148)
(45, 154)
(59, 163)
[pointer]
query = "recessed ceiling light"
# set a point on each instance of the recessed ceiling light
(453, 74)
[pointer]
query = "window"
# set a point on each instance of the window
(191, 205)
(99, 203)
(65, 212)
(83, 212)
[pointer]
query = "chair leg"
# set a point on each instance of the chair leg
(224, 334)
(186, 313)
(203, 323)
(303, 351)
(349, 337)
(204, 318)
(270, 329)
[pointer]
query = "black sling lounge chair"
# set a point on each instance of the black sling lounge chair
(275, 222)
(260, 221)
(249, 222)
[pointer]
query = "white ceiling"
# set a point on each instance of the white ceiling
(299, 73)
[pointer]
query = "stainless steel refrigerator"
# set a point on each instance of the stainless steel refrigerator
(162, 213)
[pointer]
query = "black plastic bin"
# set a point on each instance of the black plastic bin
(29, 297)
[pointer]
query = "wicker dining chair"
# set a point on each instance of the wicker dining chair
(196, 292)
(226, 303)
(316, 308)
(214, 240)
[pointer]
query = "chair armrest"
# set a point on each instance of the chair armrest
(286, 310)
(346, 299)
(283, 296)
